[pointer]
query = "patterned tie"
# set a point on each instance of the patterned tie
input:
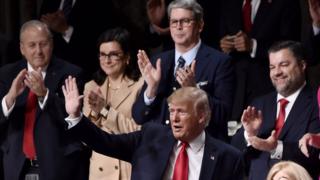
(246, 15)
(281, 116)
(181, 63)
(181, 166)
(30, 116)
(67, 7)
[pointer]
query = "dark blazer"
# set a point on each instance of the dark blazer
(149, 151)
(275, 20)
(89, 20)
(302, 118)
(59, 156)
(213, 73)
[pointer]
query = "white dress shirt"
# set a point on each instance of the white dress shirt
(195, 152)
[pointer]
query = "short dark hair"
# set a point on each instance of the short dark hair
(294, 47)
(122, 36)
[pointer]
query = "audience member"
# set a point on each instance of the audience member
(191, 63)
(288, 170)
(274, 123)
(109, 98)
(76, 25)
(35, 145)
(247, 29)
(185, 151)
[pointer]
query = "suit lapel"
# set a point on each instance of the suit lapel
(271, 116)
(263, 11)
(201, 62)
(122, 93)
(300, 105)
(209, 160)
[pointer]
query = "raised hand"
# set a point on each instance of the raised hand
(95, 100)
(186, 76)
(156, 11)
(72, 97)
(268, 144)
(35, 83)
(150, 74)
(56, 21)
(17, 87)
(314, 9)
(311, 140)
(251, 120)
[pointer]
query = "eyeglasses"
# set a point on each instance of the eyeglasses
(185, 22)
(113, 56)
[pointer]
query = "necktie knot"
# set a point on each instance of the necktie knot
(181, 62)
(283, 103)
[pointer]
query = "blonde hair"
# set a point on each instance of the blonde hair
(193, 95)
(292, 169)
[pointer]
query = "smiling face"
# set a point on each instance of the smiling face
(36, 46)
(286, 72)
(112, 59)
(186, 33)
(186, 122)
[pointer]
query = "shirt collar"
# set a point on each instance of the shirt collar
(291, 98)
(188, 56)
(43, 72)
(197, 143)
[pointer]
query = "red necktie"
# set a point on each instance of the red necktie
(281, 116)
(181, 166)
(246, 15)
(30, 116)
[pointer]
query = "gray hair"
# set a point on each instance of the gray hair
(191, 5)
(194, 95)
(36, 24)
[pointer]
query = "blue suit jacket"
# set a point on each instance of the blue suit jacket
(302, 118)
(213, 73)
(59, 157)
(149, 151)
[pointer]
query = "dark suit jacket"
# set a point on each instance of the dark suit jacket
(149, 151)
(213, 70)
(302, 118)
(275, 20)
(59, 157)
(89, 19)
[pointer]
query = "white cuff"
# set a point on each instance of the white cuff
(6, 111)
(43, 101)
(254, 48)
(73, 121)
(67, 34)
(147, 100)
(277, 152)
(246, 137)
(316, 30)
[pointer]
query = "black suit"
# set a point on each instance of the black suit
(89, 19)
(213, 73)
(59, 156)
(275, 20)
(149, 151)
(302, 118)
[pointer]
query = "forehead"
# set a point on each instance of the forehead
(178, 13)
(34, 34)
(180, 104)
(284, 55)
(112, 45)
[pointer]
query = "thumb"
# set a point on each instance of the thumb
(193, 66)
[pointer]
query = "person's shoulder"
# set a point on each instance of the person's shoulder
(218, 55)
(64, 67)
(221, 146)
(13, 67)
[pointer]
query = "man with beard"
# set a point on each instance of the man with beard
(274, 123)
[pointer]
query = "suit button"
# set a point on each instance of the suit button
(116, 167)
(100, 169)
(146, 113)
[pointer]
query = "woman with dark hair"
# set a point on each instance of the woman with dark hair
(109, 97)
